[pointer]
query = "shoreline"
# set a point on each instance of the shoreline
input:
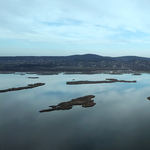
(111, 72)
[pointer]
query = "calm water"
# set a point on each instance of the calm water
(120, 120)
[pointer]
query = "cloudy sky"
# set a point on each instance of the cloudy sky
(67, 27)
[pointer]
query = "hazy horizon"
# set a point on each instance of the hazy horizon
(71, 55)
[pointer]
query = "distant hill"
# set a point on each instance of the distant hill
(87, 62)
(130, 58)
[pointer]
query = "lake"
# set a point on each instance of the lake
(119, 120)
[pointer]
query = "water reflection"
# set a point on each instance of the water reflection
(118, 121)
(85, 101)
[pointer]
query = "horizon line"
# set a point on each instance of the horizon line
(71, 55)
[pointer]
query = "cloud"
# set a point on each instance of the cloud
(101, 22)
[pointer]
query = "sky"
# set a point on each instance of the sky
(68, 27)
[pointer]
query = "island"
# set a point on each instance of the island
(85, 101)
(33, 77)
(148, 98)
(95, 82)
(29, 86)
(137, 74)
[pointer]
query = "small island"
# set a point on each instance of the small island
(148, 98)
(95, 82)
(29, 86)
(137, 74)
(85, 101)
(33, 77)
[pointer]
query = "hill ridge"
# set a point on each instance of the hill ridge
(85, 62)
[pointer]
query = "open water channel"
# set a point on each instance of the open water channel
(119, 120)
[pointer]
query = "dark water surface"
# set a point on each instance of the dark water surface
(120, 120)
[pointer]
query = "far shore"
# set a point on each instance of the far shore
(115, 72)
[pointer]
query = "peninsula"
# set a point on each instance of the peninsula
(95, 82)
(85, 101)
(29, 86)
